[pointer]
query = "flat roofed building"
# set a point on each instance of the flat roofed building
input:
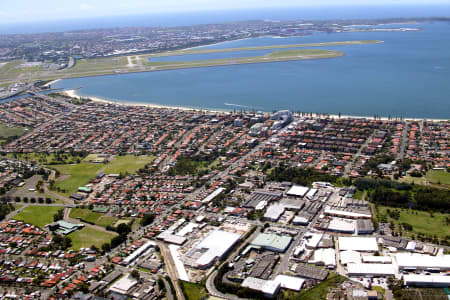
(313, 239)
(307, 271)
(274, 212)
(427, 280)
(337, 212)
(366, 244)
(290, 203)
(268, 287)
(298, 191)
(414, 261)
(272, 242)
(212, 248)
(350, 256)
(341, 225)
(365, 226)
(325, 257)
(376, 259)
(262, 196)
(290, 282)
(370, 269)
(123, 285)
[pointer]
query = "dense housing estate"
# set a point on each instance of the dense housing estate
(273, 202)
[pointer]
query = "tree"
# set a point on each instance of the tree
(135, 274)
(147, 219)
(106, 247)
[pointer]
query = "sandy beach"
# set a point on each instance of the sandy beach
(51, 82)
(73, 94)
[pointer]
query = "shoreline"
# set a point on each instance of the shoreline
(73, 94)
(51, 82)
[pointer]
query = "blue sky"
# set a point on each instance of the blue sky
(44, 10)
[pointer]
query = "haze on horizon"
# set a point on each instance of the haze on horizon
(25, 11)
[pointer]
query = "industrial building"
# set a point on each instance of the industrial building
(324, 257)
(350, 256)
(262, 196)
(141, 250)
(365, 244)
(274, 212)
(297, 191)
(213, 195)
(269, 287)
(370, 270)
(212, 248)
(376, 259)
(414, 261)
(123, 285)
(311, 272)
(290, 282)
(427, 280)
(272, 242)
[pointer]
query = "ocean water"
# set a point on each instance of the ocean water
(318, 12)
(406, 76)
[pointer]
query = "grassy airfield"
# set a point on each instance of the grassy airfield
(11, 72)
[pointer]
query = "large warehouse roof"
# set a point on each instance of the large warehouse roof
(123, 285)
(413, 260)
(370, 269)
(273, 242)
(216, 244)
(325, 256)
(350, 256)
(358, 243)
(290, 282)
(269, 287)
(297, 190)
(426, 280)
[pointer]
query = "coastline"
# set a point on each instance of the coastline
(73, 94)
(52, 82)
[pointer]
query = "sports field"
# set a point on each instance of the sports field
(92, 217)
(37, 215)
(87, 237)
(76, 175)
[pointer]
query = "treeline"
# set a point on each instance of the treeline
(400, 194)
(191, 164)
(435, 199)
(299, 176)
(5, 209)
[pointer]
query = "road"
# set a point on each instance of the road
(171, 269)
(403, 142)
(348, 167)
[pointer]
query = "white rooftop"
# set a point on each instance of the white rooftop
(326, 256)
(432, 279)
(414, 260)
(314, 239)
(123, 285)
(377, 259)
(358, 243)
(269, 287)
(290, 282)
(298, 190)
(370, 269)
(217, 243)
(350, 256)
